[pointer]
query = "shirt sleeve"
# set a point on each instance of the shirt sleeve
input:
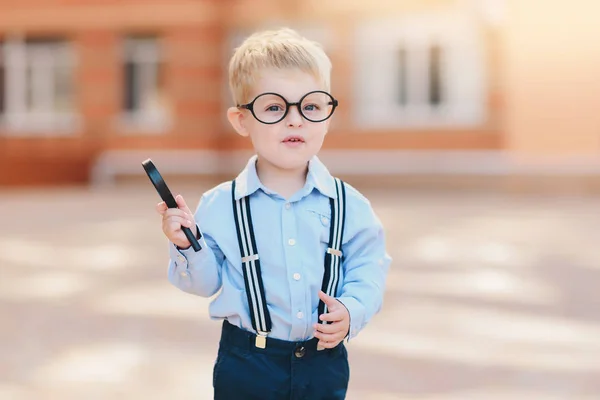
(197, 272)
(366, 264)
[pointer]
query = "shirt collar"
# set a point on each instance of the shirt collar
(247, 182)
(320, 178)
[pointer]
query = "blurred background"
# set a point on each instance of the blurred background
(473, 126)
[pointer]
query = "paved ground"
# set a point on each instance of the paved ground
(489, 298)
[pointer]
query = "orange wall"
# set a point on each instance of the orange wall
(553, 79)
(340, 18)
(74, 15)
(193, 34)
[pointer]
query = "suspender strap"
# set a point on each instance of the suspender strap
(334, 256)
(255, 291)
(261, 319)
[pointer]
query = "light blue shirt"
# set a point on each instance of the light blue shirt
(291, 237)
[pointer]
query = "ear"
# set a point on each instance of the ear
(237, 118)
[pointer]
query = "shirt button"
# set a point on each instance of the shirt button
(324, 220)
(183, 274)
(291, 242)
(297, 276)
(300, 315)
(181, 258)
(287, 206)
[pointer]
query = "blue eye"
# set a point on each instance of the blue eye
(311, 107)
(274, 108)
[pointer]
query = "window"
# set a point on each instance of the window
(36, 86)
(435, 78)
(429, 89)
(2, 82)
(431, 92)
(402, 76)
(420, 71)
(143, 102)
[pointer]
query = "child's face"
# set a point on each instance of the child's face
(290, 143)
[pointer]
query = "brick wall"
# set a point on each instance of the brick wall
(193, 36)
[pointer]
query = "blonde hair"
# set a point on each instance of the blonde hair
(281, 49)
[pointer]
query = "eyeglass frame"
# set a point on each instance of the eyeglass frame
(250, 106)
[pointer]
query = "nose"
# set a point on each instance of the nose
(294, 118)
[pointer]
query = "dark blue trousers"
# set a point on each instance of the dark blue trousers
(282, 370)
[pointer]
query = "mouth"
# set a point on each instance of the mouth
(293, 139)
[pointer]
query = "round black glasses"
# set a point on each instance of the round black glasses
(271, 108)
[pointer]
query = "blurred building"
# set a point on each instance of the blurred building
(90, 88)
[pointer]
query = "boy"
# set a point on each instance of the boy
(298, 257)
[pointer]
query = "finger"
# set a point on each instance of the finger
(175, 212)
(334, 316)
(181, 204)
(161, 207)
(328, 300)
(174, 224)
(183, 221)
(329, 337)
(329, 328)
(328, 345)
(181, 240)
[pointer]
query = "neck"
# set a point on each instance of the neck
(285, 182)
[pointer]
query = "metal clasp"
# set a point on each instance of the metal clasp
(334, 252)
(261, 340)
(249, 258)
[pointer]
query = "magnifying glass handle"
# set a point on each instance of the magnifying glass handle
(190, 236)
(171, 203)
(165, 194)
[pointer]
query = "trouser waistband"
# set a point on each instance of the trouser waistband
(233, 336)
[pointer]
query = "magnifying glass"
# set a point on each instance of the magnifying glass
(165, 194)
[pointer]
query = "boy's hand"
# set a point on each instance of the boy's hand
(330, 335)
(174, 218)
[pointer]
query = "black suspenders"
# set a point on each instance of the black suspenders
(255, 291)
(333, 256)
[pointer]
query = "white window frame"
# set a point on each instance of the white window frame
(377, 74)
(144, 52)
(17, 120)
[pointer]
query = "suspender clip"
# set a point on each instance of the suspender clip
(261, 340)
(334, 252)
(252, 257)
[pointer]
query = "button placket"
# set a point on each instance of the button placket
(293, 266)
